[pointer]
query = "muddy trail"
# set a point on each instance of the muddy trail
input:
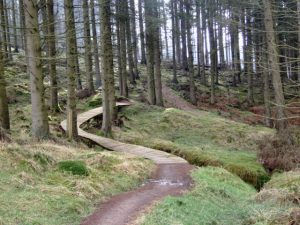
(168, 179)
(171, 177)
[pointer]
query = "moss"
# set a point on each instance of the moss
(96, 101)
(202, 138)
(74, 167)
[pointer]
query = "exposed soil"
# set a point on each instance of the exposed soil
(168, 179)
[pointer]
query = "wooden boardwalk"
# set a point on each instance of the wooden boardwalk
(158, 157)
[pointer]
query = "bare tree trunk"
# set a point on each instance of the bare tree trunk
(107, 68)
(134, 39)
(142, 34)
(157, 61)
(52, 55)
(200, 52)
(87, 47)
(298, 13)
(16, 46)
(267, 95)
(39, 115)
(273, 59)
(22, 23)
(129, 44)
(150, 39)
(7, 25)
(3, 26)
(190, 50)
(174, 80)
(213, 52)
(248, 55)
(183, 36)
(123, 58)
(95, 45)
(177, 33)
(220, 35)
(165, 30)
(71, 70)
(4, 112)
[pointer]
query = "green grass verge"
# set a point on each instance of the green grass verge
(38, 185)
(201, 138)
(218, 198)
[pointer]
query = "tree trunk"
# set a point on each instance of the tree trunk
(142, 34)
(134, 39)
(157, 61)
(183, 35)
(52, 55)
(177, 33)
(129, 44)
(165, 19)
(175, 80)
(213, 52)
(95, 46)
(3, 26)
(298, 13)
(190, 50)
(267, 95)
(107, 68)
(4, 112)
(71, 70)
(248, 55)
(7, 25)
(16, 46)
(150, 39)
(39, 115)
(123, 58)
(273, 59)
(22, 23)
(87, 47)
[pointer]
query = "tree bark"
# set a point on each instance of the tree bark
(142, 33)
(157, 61)
(4, 111)
(52, 55)
(16, 46)
(134, 39)
(108, 93)
(95, 46)
(183, 35)
(273, 59)
(150, 39)
(190, 51)
(39, 115)
(72, 131)
(87, 47)
(174, 80)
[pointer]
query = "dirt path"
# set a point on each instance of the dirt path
(170, 178)
(175, 101)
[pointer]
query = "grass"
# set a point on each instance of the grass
(35, 189)
(204, 139)
(218, 198)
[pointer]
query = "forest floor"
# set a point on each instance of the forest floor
(222, 140)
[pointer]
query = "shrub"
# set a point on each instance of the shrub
(96, 101)
(74, 167)
(281, 152)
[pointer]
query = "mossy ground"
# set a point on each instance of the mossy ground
(39, 182)
(35, 190)
(219, 198)
(202, 138)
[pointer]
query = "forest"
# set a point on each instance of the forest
(150, 112)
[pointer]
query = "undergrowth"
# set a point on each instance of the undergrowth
(220, 198)
(203, 139)
(50, 183)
